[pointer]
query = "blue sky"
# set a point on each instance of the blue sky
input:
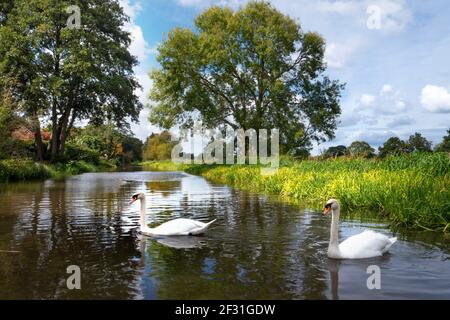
(392, 54)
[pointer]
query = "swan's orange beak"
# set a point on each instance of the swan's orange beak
(326, 210)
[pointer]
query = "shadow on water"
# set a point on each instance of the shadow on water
(259, 248)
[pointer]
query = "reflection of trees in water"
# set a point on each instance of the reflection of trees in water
(59, 229)
(165, 188)
(254, 253)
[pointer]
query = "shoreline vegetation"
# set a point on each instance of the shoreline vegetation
(14, 170)
(411, 190)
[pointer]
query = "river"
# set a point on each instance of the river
(259, 248)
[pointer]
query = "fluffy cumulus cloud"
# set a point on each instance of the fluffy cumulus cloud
(367, 100)
(388, 15)
(385, 109)
(338, 54)
(435, 99)
(387, 102)
(139, 46)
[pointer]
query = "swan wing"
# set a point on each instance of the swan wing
(366, 244)
(181, 227)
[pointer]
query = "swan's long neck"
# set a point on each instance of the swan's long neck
(142, 221)
(334, 231)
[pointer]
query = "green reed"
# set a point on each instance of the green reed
(410, 190)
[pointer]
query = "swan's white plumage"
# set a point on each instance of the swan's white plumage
(366, 244)
(178, 227)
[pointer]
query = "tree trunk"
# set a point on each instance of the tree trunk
(38, 138)
(65, 130)
(55, 127)
(55, 137)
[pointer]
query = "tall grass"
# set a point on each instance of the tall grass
(164, 165)
(18, 170)
(22, 170)
(411, 190)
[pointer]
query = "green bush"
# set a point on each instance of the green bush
(18, 170)
(77, 153)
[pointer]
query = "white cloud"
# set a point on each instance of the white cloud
(386, 88)
(146, 84)
(131, 10)
(435, 99)
(337, 54)
(388, 101)
(367, 100)
(340, 7)
(394, 15)
(139, 47)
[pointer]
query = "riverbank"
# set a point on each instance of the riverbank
(410, 191)
(23, 170)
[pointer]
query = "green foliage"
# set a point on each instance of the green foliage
(132, 149)
(24, 170)
(393, 146)
(68, 74)
(81, 153)
(10, 148)
(444, 146)
(94, 142)
(418, 143)
(165, 165)
(252, 68)
(411, 190)
(158, 146)
(361, 149)
(333, 152)
(17, 170)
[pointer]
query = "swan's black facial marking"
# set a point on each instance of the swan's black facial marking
(134, 198)
(327, 208)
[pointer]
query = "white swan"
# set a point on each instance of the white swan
(177, 227)
(367, 244)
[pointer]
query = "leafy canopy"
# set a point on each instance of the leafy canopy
(250, 68)
(68, 74)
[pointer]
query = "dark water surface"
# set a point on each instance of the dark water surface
(259, 248)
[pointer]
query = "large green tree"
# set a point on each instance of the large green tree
(361, 149)
(250, 68)
(65, 74)
(418, 143)
(335, 151)
(393, 146)
(158, 146)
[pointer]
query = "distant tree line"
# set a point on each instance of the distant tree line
(392, 146)
(158, 146)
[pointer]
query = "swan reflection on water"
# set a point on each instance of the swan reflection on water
(176, 242)
(181, 242)
(353, 274)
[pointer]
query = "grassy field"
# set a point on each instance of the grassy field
(22, 170)
(411, 190)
